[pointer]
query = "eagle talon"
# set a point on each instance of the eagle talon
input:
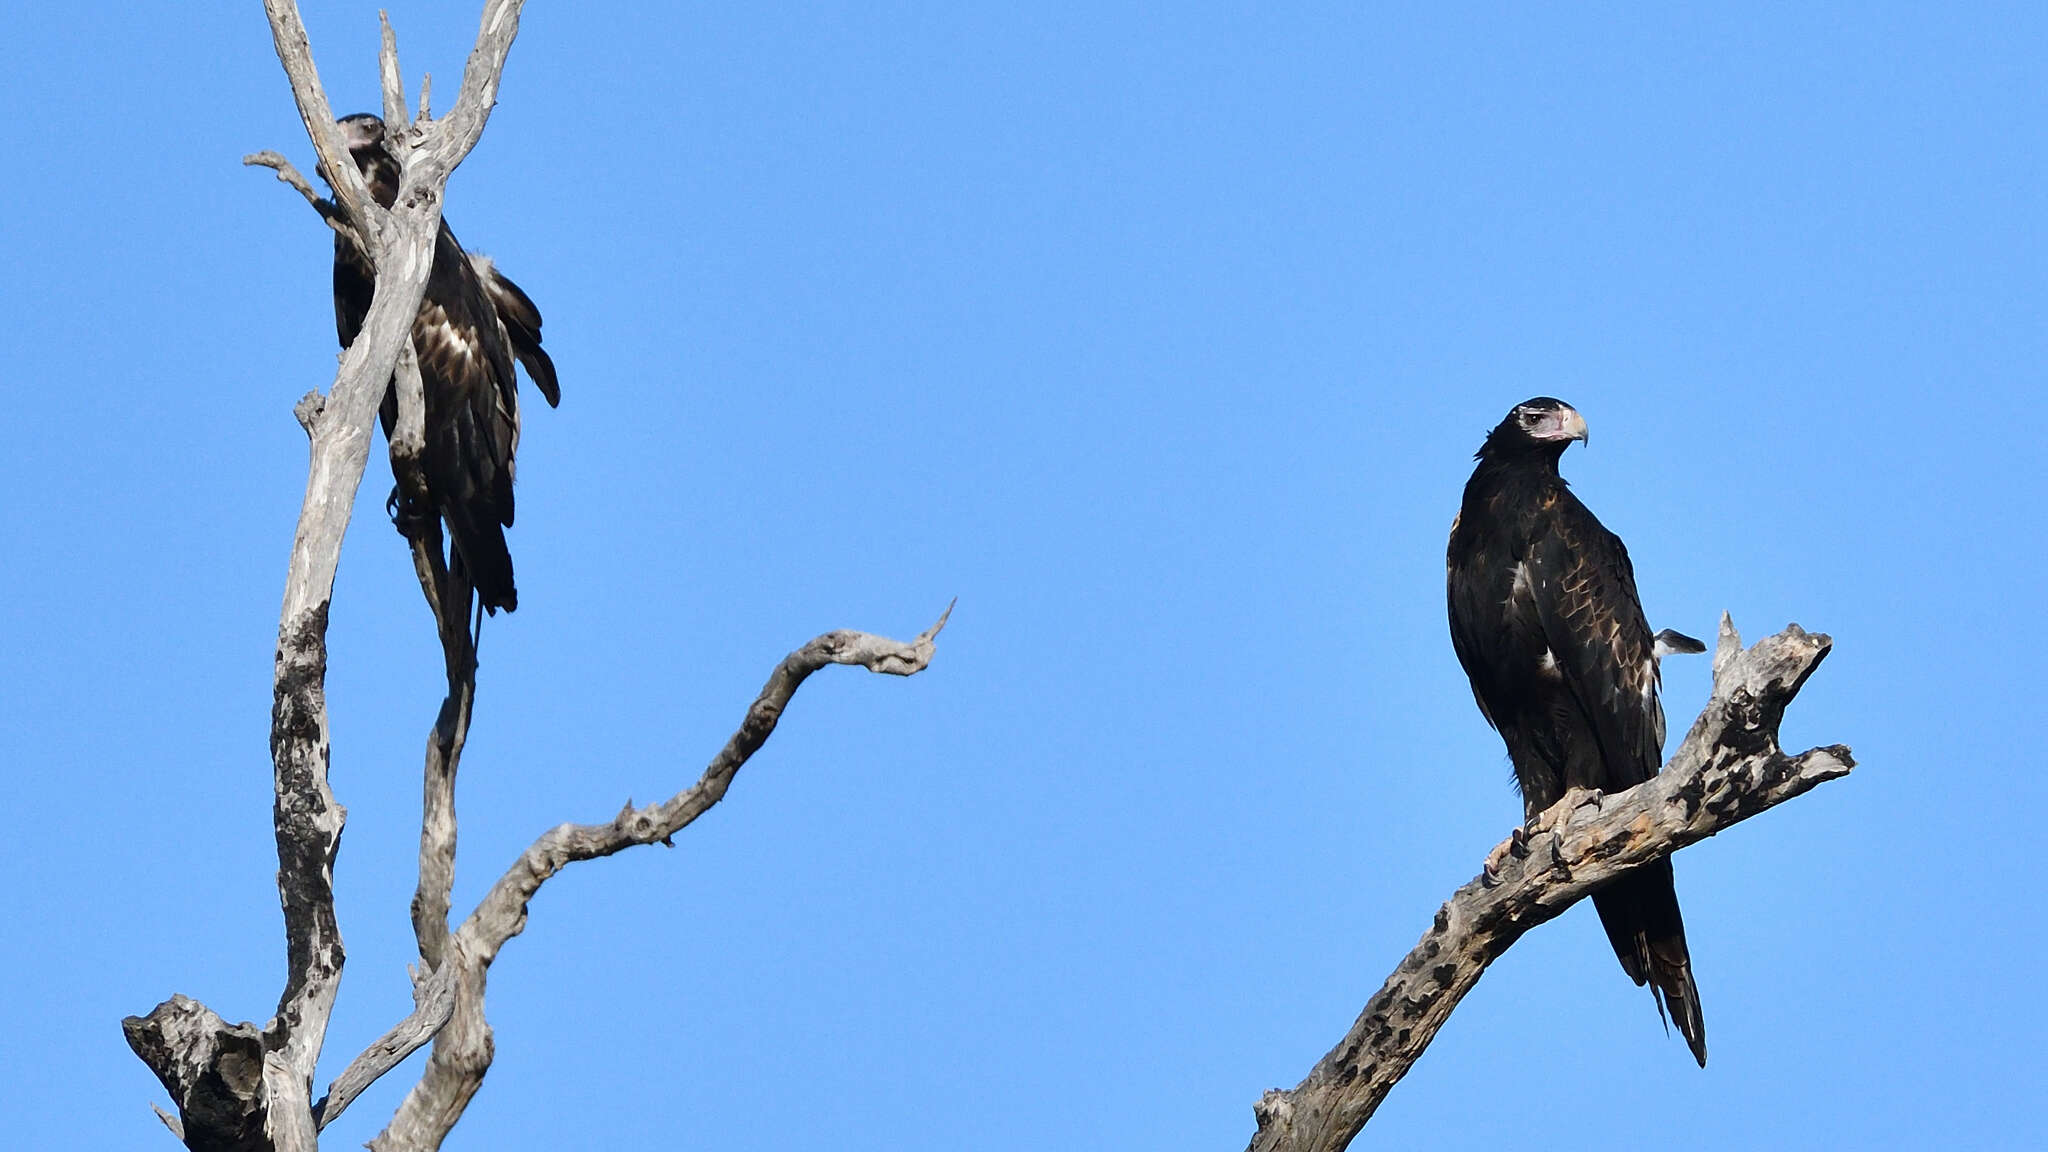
(1516, 846)
(407, 516)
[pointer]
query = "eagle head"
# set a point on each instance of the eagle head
(363, 135)
(1544, 425)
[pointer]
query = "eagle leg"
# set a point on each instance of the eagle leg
(410, 517)
(1517, 843)
(1574, 798)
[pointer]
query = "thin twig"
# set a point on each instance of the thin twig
(289, 175)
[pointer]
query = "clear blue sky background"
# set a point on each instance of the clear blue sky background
(1161, 336)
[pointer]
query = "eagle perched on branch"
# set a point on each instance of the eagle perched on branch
(1545, 619)
(473, 324)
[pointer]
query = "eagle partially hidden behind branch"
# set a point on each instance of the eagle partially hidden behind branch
(473, 323)
(1546, 621)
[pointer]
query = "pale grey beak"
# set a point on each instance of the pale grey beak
(1575, 427)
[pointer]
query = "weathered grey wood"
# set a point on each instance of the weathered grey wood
(271, 1109)
(450, 731)
(288, 1121)
(389, 80)
(433, 998)
(1728, 769)
(287, 174)
(445, 741)
(212, 1069)
(463, 1049)
(243, 1088)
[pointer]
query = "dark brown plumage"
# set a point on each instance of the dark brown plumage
(473, 325)
(1546, 621)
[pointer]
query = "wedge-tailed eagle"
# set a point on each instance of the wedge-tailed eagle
(1545, 619)
(473, 325)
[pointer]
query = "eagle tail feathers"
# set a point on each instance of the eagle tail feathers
(1640, 914)
(480, 561)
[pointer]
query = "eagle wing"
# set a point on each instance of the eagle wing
(522, 326)
(473, 328)
(1479, 602)
(1582, 590)
(472, 417)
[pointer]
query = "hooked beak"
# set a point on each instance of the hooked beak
(1562, 424)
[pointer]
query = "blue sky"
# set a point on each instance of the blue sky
(1161, 336)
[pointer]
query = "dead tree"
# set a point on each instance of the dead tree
(247, 1086)
(1728, 769)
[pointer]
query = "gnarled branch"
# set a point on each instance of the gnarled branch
(241, 1087)
(463, 1049)
(502, 913)
(1728, 769)
(272, 1108)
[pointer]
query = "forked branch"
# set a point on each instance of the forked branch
(248, 1088)
(224, 1099)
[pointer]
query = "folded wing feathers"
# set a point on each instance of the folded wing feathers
(522, 323)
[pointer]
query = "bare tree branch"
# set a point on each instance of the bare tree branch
(455, 1068)
(309, 822)
(272, 1108)
(388, 77)
(481, 73)
(295, 52)
(502, 913)
(433, 1000)
(289, 175)
(247, 1089)
(445, 742)
(463, 1050)
(1728, 769)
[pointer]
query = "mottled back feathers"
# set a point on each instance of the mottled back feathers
(1547, 624)
(474, 325)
